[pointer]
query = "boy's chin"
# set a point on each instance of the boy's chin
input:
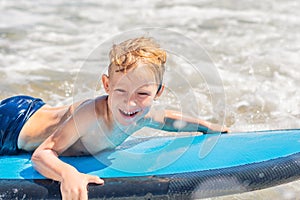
(127, 122)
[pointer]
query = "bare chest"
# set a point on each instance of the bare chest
(95, 142)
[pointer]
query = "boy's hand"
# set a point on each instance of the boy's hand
(74, 185)
(218, 128)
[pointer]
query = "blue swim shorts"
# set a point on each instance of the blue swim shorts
(14, 112)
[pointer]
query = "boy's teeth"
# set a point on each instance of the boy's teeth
(129, 113)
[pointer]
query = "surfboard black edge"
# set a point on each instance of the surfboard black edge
(201, 184)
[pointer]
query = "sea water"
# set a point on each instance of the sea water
(46, 48)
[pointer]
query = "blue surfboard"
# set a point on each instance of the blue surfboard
(172, 167)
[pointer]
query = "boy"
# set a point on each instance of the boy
(133, 82)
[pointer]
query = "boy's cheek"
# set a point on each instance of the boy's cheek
(147, 102)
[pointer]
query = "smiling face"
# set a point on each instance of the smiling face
(131, 94)
(134, 77)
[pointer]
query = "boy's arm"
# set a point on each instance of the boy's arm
(170, 120)
(45, 158)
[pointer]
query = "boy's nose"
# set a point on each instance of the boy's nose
(131, 101)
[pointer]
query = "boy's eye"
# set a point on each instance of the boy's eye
(120, 90)
(143, 94)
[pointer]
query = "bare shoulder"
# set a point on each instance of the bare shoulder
(154, 118)
(101, 105)
(93, 103)
(156, 114)
(101, 99)
(96, 108)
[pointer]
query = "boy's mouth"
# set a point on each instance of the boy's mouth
(129, 113)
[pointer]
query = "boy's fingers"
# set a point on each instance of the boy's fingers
(83, 195)
(95, 179)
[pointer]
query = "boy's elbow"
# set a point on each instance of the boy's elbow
(37, 156)
(40, 154)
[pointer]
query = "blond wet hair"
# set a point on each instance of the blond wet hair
(130, 53)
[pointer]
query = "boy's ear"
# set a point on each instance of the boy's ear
(105, 82)
(160, 91)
